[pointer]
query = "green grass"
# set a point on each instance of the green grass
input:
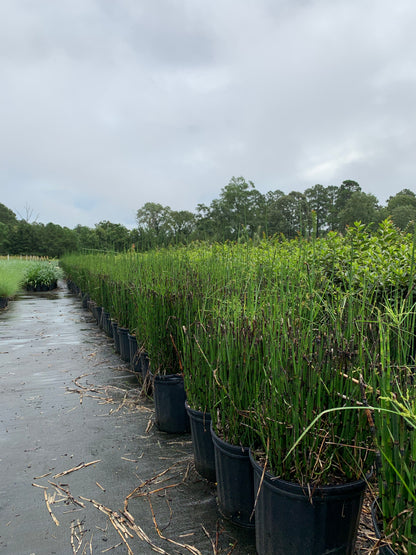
(12, 273)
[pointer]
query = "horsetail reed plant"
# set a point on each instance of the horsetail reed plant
(396, 426)
(276, 333)
(197, 369)
(221, 346)
(313, 354)
(394, 414)
(163, 297)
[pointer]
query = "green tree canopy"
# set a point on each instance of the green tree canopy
(112, 236)
(321, 200)
(290, 215)
(402, 208)
(7, 216)
(239, 210)
(360, 207)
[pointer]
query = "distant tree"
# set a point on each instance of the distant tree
(342, 196)
(291, 215)
(153, 217)
(345, 192)
(181, 224)
(4, 239)
(405, 197)
(7, 216)
(321, 203)
(8, 220)
(28, 214)
(360, 207)
(271, 199)
(55, 240)
(153, 224)
(239, 210)
(332, 193)
(402, 208)
(404, 217)
(23, 239)
(112, 236)
(86, 238)
(206, 228)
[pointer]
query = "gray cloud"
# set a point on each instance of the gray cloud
(107, 105)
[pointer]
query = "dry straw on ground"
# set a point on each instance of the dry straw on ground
(173, 476)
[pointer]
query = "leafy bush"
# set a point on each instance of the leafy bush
(42, 275)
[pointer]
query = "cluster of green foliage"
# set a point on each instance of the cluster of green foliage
(19, 237)
(241, 212)
(42, 274)
(32, 273)
(273, 336)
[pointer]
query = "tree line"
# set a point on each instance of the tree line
(241, 212)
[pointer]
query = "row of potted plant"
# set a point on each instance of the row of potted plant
(293, 352)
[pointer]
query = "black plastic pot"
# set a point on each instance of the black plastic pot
(114, 325)
(104, 319)
(72, 286)
(96, 312)
(383, 549)
(123, 337)
(288, 520)
(169, 397)
(106, 323)
(109, 330)
(235, 488)
(134, 357)
(4, 301)
(144, 364)
(84, 300)
(202, 444)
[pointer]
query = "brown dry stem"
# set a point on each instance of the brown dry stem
(75, 468)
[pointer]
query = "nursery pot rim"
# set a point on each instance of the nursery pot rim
(167, 378)
(295, 489)
(223, 444)
(196, 412)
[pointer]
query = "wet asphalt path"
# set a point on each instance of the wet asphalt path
(51, 423)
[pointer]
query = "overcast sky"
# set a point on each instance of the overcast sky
(108, 104)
